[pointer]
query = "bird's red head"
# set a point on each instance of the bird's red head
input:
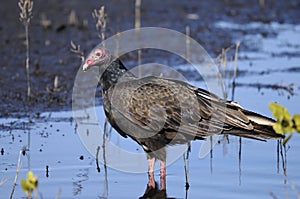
(98, 56)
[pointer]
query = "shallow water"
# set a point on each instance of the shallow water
(54, 141)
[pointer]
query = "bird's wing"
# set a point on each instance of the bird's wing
(156, 105)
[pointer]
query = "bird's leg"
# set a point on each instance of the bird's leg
(163, 175)
(185, 159)
(151, 181)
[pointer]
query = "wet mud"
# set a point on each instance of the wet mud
(55, 23)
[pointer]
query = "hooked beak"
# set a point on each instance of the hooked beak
(85, 67)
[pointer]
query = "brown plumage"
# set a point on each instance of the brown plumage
(156, 112)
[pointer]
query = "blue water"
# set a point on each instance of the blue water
(54, 141)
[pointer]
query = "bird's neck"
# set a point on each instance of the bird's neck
(113, 73)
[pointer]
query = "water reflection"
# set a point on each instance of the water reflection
(153, 191)
(79, 178)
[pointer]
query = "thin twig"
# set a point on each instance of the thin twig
(188, 43)
(137, 25)
(76, 50)
(288, 88)
(25, 16)
(262, 4)
(16, 176)
(211, 154)
(188, 57)
(273, 195)
(283, 157)
(58, 194)
(235, 69)
(3, 181)
(278, 145)
(240, 160)
(100, 16)
(28, 149)
(220, 57)
(104, 154)
(187, 185)
(97, 159)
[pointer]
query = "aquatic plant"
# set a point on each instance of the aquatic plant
(29, 184)
(100, 17)
(25, 17)
(285, 124)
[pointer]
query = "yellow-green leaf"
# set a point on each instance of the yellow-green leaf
(32, 180)
(277, 110)
(297, 122)
(284, 124)
(30, 183)
(286, 115)
(287, 139)
(278, 127)
(288, 128)
(25, 187)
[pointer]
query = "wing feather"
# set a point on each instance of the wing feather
(155, 105)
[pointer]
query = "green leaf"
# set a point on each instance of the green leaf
(278, 128)
(30, 183)
(31, 180)
(297, 122)
(289, 128)
(287, 139)
(286, 115)
(25, 187)
(277, 110)
(284, 124)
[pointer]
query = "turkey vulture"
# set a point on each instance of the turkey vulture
(156, 112)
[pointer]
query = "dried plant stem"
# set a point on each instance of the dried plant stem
(140, 62)
(188, 57)
(262, 4)
(25, 16)
(3, 181)
(117, 45)
(16, 176)
(27, 60)
(235, 69)
(186, 165)
(76, 50)
(97, 159)
(100, 16)
(137, 25)
(58, 194)
(240, 160)
(188, 43)
(106, 132)
(283, 158)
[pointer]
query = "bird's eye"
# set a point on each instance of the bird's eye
(98, 54)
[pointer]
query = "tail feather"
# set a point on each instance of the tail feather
(259, 119)
(266, 132)
(259, 132)
(262, 127)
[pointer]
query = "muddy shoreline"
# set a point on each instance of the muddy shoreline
(53, 27)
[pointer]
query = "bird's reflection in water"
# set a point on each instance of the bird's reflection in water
(153, 191)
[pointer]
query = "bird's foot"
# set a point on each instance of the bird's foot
(151, 181)
(162, 175)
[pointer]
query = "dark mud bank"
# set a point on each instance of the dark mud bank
(53, 26)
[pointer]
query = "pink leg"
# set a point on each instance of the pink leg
(151, 181)
(163, 175)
